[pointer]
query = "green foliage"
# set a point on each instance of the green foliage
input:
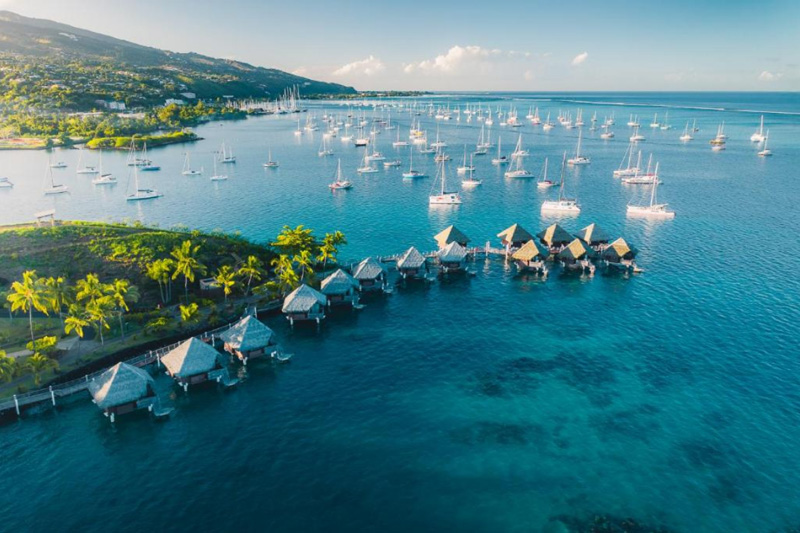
(226, 278)
(43, 345)
(158, 325)
(9, 368)
(37, 364)
(190, 314)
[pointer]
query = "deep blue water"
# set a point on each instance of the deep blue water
(484, 404)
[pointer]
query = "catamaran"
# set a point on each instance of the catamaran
(686, 137)
(412, 174)
(50, 184)
(360, 139)
(500, 159)
(563, 204)
(444, 197)
(464, 168)
(765, 152)
(654, 210)
(340, 182)
(139, 193)
(543, 182)
(579, 159)
(470, 181)
(88, 169)
(628, 170)
(187, 167)
(648, 178)
(226, 154)
(218, 177)
(758, 136)
(104, 179)
(270, 163)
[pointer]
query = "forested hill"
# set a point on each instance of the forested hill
(80, 66)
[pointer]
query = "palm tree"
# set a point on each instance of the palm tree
(292, 241)
(89, 289)
(189, 313)
(8, 367)
(288, 280)
(75, 321)
(252, 269)
(60, 295)
(160, 271)
(98, 312)
(27, 295)
(305, 262)
(186, 264)
(38, 364)
(330, 247)
(122, 293)
(225, 279)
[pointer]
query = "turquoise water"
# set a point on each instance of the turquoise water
(484, 404)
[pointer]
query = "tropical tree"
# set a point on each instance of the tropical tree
(305, 263)
(27, 295)
(287, 278)
(122, 293)
(187, 264)
(75, 321)
(252, 269)
(330, 247)
(226, 279)
(190, 313)
(98, 313)
(292, 241)
(160, 271)
(38, 364)
(8, 367)
(89, 289)
(60, 294)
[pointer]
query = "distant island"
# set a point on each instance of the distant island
(62, 85)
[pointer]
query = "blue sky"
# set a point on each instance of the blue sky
(472, 45)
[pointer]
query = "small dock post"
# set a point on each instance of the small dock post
(52, 396)
(16, 404)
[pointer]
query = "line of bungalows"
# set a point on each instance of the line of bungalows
(124, 388)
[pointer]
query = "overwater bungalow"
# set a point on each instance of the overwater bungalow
(576, 257)
(249, 338)
(451, 234)
(304, 304)
(531, 257)
(340, 288)
(121, 389)
(620, 256)
(452, 258)
(370, 275)
(514, 237)
(555, 238)
(193, 362)
(412, 264)
(594, 236)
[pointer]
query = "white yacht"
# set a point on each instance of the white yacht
(636, 137)
(139, 193)
(187, 167)
(500, 159)
(579, 159)
(648, 178)
(340, 182)
(412, 174)
(58, 164)
(563, 204)
(686, 137)
(104, 178)
(226, 155)
(629, 170)
(464, 168)
(765, 152)
(270, 163)
(366, 167)
(324, 148)
(470, 181)
(653, 210)
(758, 136)
(655, 124)
(519, 151)
(50, 186)
(398, 143)
(5, 183)
(215, 176)
(443, 196)
(543, 182)
(84, 169)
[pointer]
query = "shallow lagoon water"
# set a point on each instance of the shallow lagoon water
(484, 404)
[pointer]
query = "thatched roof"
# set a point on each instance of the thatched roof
(451, 234)
(577, 249)
(452, 253)
(247, 335)
(530, 251)
(303, 299)
(554, 235)
(120, 384)
(514, 234)
(411, 259)
(593, 234)
(617, 250)
(369, 268)
(340, 282)
(190, 358)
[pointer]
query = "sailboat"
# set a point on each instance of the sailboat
(270, 163)
(375, 155)
(366, 167)
(547, 126)
(628, 170)
(324, 149)
(187, 167)
(686, 137)
(226, 154)
(298, 132)
(653, 210)
(607, 134)
(655, 123)
(438, 143)
(412, 174)
(470, 180)
(579, 159)
(500, 159)
(483, 146)
(543, 182)
(718, 142)
(518, 171)
(519, 151)
(444, 197)
(398, 143)
(340, 182)
(50, 184)
(666, 125)
(139, 193)
(58, 164)
(758, 136)
(215, 176)
(648, 178)
(147, 165)
(562, 204)
(765, 152)
(5, 183)
(636, 137)
(104, 179)
(633, 122)
(88, 169)
(441, 156)
(463, 169)
(360, 139)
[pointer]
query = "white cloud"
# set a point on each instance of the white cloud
(579, 59)
(467, 59)
(300, 71)
(367, 67)
(769, 76)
